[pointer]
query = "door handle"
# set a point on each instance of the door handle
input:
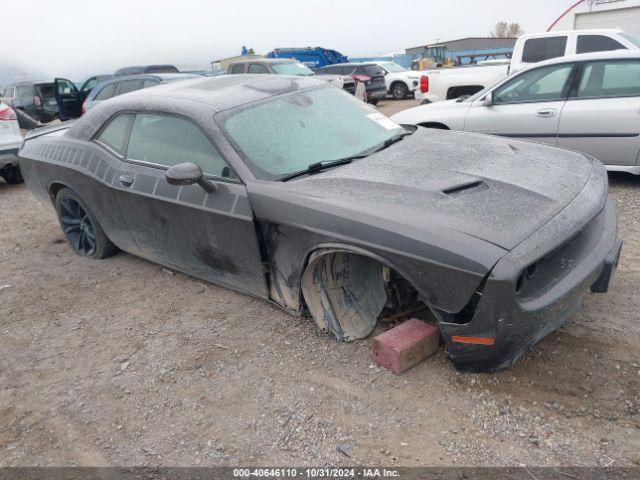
(126, 180)
(546, 112)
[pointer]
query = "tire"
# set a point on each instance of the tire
(399, 90)
(374, 101)
(345, 294)
(12, 175)
(80, 227)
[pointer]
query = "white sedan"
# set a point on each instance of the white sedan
(589, 103)
(10, 141)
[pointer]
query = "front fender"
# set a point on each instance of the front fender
(288, 250)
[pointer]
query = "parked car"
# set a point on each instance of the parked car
(37, 99)
(294, 191)
(285, 66)
(70, 98)
(117, 86)
(368, 73)
(450, 83)
(400, 81)
(141, 69)
(10, 141)
(589, 103)
(90, 83)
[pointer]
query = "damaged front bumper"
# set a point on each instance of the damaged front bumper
(526, 297)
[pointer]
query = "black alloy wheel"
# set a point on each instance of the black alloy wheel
(77, 227)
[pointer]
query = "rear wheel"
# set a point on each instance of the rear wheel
(12, 174)
(399, 90)
(374, 101)
(80, 227)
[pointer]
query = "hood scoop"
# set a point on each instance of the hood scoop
(466, 188)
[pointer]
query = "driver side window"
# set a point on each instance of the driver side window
(538, 85)
(166, 140)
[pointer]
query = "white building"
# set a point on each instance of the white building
(623, 14)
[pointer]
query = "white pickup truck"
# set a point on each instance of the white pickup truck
(449, 83)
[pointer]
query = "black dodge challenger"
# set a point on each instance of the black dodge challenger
(291, 190)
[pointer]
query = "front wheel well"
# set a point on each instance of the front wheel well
(348, 292)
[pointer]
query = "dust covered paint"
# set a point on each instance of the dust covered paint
(497, 238)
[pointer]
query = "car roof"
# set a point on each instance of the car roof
(222, 92)
(160, 76)
(582, 57)
(349, 64)
(144, 76)
(589, 31)
(26, 83)
(266, 60)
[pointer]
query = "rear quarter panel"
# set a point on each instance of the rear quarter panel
(51, 162)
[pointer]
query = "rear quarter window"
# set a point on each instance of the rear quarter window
(127, 86)
(597, 43)
(540, 49)
(106, 92)
(114, 134)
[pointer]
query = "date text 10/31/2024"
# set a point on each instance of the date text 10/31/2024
(316, 472)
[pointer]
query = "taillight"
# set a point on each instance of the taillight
(37, 102)
(361, 78)
(424, 84)
(7, 115)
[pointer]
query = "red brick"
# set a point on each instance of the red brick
(406, 345)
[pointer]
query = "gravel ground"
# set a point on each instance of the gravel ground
(122, 362)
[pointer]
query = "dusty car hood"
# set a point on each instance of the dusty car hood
(495, 189)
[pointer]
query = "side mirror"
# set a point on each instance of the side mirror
(188, 174)
(488, 99)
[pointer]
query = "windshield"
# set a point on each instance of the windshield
(286, 133)
(292, 69)
(631, 38)
(393, 67)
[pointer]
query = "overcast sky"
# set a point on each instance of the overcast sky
(78, 38)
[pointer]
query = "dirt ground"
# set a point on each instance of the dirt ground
(122, 362)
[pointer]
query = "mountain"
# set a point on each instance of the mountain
(13, 70)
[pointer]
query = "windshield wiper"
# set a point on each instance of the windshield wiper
(396, 138)
(320, 166)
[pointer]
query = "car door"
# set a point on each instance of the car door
(602, 116)
(526, 106)
(68, 98)
(208, 235)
